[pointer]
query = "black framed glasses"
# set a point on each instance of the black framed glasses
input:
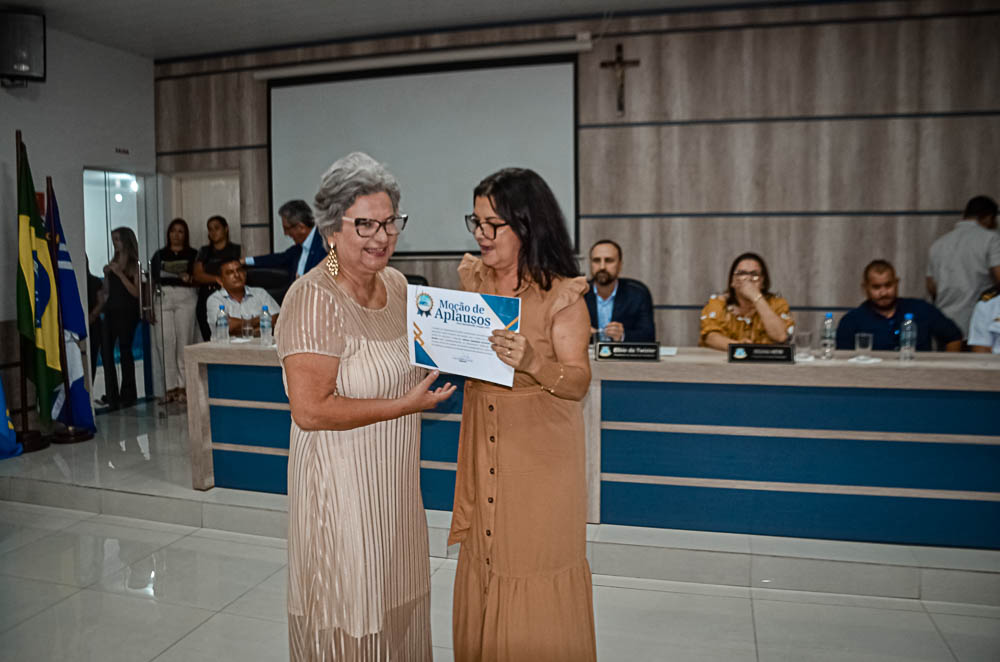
(487, 225)
(369, 227)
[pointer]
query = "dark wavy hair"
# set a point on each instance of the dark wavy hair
(522, 198)
(187, 233)
(765, 280)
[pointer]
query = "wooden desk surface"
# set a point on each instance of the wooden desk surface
(931, 371)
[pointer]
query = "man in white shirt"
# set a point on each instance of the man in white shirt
(984, 330)
(240, 301)
(308, 249)
(965, 262)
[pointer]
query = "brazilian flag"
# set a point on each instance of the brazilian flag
(37, 307)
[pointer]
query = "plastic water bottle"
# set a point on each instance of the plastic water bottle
(221, 333)
(907, 338)
(828, 338)
(265, 327)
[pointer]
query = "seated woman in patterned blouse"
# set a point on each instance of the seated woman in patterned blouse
(748, 312)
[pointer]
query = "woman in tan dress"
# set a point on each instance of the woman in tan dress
(522, 587)
(358, 564)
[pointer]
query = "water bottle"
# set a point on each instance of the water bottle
(265, 327)
(828, 338)
(907, 338)
(221, 326)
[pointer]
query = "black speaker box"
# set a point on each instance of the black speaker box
(22, 46)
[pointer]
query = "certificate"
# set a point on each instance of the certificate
(449, 330)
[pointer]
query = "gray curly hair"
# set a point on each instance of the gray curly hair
(349, 178)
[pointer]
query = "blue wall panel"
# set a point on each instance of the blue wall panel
(439, 440)
(246, 382)
(887, 410)
(796, 460)
(452, 405)
(250, 427)
(438, 488)
(251, 471)
(829, 516)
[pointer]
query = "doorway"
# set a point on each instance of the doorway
(114, 200)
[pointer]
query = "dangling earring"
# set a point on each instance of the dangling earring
(332, 265)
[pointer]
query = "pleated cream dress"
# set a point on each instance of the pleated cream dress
(358, 563)
(522, 588)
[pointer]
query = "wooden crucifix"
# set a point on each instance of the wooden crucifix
(620, 64)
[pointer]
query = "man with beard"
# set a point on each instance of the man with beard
(621, 309)
(882, 316)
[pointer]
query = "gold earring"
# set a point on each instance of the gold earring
(332, 265)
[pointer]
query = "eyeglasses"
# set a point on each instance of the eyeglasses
(489, 228)
(369, 227)
(752, 275)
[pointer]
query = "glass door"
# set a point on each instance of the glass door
(124, 342)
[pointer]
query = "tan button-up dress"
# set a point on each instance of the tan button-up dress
(522, 588)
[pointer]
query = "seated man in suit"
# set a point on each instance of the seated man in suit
(621, 309)
(308, 250)
(881, 315)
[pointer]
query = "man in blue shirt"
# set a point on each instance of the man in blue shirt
(882, 315)
(308, 250)
(621, 309)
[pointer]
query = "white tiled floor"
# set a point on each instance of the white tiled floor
(79, 586)
(75, 585)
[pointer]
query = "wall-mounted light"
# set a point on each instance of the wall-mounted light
(118, 197)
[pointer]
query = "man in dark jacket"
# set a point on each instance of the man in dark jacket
(308, 250)
(621, 309)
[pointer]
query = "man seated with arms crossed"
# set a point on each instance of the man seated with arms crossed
(308, 250)
(239, 300)
(984, 329)
(882, 313)
(620, 308)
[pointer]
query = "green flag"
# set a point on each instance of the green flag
(37, 307)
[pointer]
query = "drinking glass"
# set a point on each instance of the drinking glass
(803, 345)
(247, 326)
(863, 345)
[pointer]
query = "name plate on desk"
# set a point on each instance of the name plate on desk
(746, 353)
(627, 351)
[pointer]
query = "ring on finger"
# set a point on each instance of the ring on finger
(508, 351)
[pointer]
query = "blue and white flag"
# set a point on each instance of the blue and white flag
(8, 438)
(80, 414)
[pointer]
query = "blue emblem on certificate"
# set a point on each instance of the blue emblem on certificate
(425, 304)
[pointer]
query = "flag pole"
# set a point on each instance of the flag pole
(71, 434)
(30, 440)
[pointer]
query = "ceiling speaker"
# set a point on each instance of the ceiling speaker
(22, 47)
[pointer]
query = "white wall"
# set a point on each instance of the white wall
(96, 100)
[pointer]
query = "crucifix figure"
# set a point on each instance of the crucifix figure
(619, 64)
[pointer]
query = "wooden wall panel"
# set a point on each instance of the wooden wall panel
(669, 155)
(200, 112)
(826, 69)
(885, 165)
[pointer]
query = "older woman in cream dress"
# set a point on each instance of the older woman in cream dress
(358, 564)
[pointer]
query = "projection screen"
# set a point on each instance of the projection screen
(439, 133)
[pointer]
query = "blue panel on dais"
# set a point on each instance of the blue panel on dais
(439, 440)
(943, 522)
(798, 460)
(246, 382)
(250, 427)
(887, 410)
(437, 487)
(452, 405)
(251, 471)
